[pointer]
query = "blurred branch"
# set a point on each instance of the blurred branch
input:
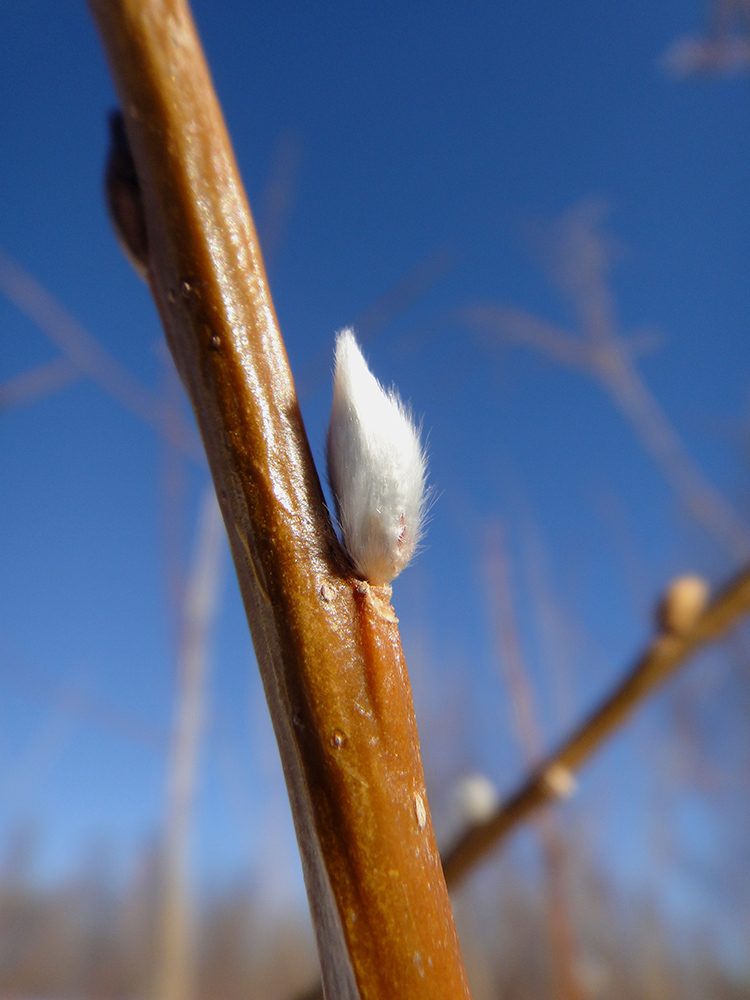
(174, 966)
(37, 382)
(727, 16)
(404, 293)
(521, 327)
(518, 681)
(37, 756)
(89, 358)
(688, 56)
(508, 641)
(553, 778)
(72, 699)
(327, 644)
(580, 259)
(172, 494)
(278, 195)
(724, 49)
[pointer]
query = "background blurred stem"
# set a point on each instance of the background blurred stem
(175, 952)
(327, 645)
(554, 776)
(515, 672)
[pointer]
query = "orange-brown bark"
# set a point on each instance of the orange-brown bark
(327, 646)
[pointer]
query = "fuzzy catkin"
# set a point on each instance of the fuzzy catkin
(376, 467)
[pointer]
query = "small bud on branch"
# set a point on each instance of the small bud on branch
(683, 603)
(376, 467)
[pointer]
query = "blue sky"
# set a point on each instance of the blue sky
(434, 136)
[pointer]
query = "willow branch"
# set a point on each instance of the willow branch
(665, 654)
(327, 644)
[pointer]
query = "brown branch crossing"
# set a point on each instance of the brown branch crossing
(327, 644)
(685, 635)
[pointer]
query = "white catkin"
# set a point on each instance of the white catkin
(376, 467)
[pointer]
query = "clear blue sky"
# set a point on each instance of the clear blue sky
(398, 134)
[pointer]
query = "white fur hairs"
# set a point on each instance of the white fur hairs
(376, 468)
